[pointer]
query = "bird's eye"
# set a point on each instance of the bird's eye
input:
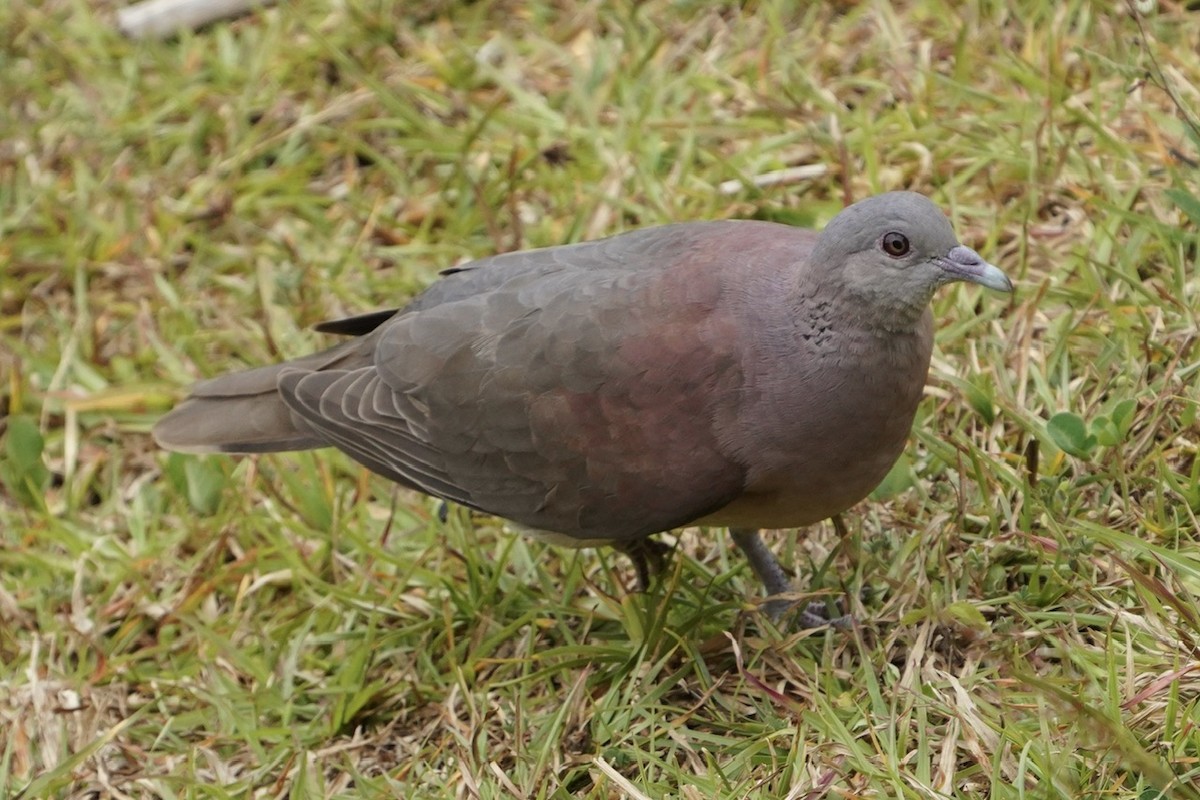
(895, 244)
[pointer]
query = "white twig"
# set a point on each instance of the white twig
(780, 176)
(159, 19)
(620, 780)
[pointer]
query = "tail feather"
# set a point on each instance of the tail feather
(238, 413)
(242, 412)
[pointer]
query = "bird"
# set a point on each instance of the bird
(726, 373)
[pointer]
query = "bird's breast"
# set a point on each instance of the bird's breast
(823, 426)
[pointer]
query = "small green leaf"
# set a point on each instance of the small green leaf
(22, 470)
(1105, 432)
(968, 615)
(1113, 428)
(1187, 203)
(1070, 435)
(982, 401)
(200, 479)
(24, 443)
(206, 481)
(899, 479)
(1122, 416)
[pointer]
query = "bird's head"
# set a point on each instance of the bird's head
(892, 251)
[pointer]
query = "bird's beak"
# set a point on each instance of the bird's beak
(964, 264)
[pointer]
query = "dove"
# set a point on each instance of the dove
(741, 374)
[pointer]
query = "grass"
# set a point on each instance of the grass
(288, 626)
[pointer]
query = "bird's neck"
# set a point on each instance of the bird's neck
(884, 312)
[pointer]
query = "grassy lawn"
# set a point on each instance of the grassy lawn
(1026, 583)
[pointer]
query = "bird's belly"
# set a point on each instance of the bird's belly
(560, 539)
(782, 509)
(799, 489)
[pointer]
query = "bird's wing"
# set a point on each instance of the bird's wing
(572, 389)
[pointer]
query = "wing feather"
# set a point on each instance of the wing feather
(566, 389)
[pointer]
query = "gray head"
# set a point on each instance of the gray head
(893, 250)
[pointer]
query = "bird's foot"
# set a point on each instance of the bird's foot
(809, 614)
(817, 613)
(813, 614)
(649, 556)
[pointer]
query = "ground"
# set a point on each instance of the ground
(1024, 584)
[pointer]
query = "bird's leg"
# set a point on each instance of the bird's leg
(776, 580)
(648, 557)
(767, 567)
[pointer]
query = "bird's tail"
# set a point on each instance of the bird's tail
(242, 412)
(237, 413)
